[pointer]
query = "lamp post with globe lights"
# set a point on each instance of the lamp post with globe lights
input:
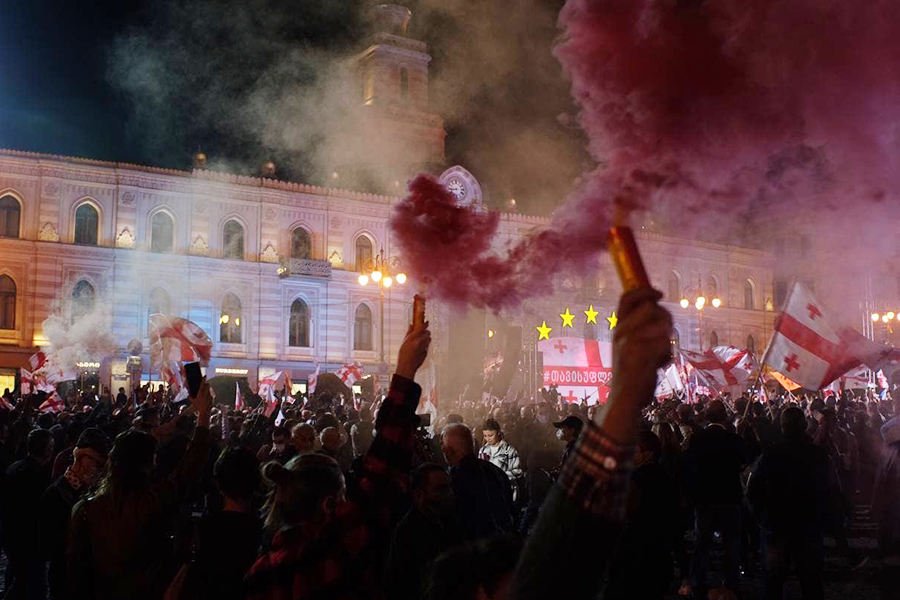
(383, 271)
(700, 302)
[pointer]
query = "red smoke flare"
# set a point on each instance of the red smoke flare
(692, 108)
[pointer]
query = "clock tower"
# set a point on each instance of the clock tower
(393, 135)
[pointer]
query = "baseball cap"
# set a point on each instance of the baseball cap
(570, 421)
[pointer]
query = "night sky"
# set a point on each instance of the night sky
(60, 93)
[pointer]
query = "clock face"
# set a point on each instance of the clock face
(457, 188)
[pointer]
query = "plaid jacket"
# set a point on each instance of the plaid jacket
(504, 456)
(345, 559)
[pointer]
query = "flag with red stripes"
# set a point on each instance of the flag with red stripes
(176, 340)
(53, 403)
(809, 347)
(580, 368)
(723, 365)
(27, 380)
(350, 373)
(37, 360)
(267, 391)
(238, 397)
(311, 382)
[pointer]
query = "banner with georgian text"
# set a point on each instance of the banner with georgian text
(580, 368)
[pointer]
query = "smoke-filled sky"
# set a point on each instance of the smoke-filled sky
(151, 81)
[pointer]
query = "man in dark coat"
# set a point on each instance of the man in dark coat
(788, 493)
(428, 530)
(25, 481)
(483, 493)
(90, 454)
(714, 460)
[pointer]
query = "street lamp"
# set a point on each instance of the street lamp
(699, 303)
(383, 271)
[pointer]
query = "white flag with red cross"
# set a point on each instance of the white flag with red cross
(267, 389)
(724, 366)
(37, 360)
(669, 382)
(176, 340)
(27, 380)
(311, 382)
(580, 368)
(53, 403)
(238, 397)
(810, 348)
(350, 373)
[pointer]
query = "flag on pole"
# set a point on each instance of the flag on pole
(311, 382)
(669, 382)
(27, 380)
(723, 365)
(288, 385)
(784, 381)
(267, 391)
(809, 349)
(177, 340)
(37, 360)
(350, 373)
(238, 397)
(53, 403)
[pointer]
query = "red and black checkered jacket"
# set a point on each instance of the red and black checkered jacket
(345, 559)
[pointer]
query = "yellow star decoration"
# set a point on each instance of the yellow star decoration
(567, 318)
(613, 320)
(544, 331)
(591, 315)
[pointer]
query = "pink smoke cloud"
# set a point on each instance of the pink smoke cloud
(692, 110)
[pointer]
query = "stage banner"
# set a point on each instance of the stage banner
(579, 368)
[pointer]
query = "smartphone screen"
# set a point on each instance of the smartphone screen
(194, 378)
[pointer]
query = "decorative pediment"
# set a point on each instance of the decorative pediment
(125, 239)
(269, 255)
(48, 233)
(200, 247)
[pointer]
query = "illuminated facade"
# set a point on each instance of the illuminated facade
(270, 268)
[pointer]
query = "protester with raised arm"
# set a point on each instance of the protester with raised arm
(582, 519)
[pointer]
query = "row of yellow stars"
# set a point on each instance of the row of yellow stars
(568, 321)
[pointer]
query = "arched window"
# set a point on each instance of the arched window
(404, 84)
(10, 212)
(7, 302)
(712, 287)
(83, 298)
(674, 287)
(301, 245)
(230, 324)
(159, 303)
(751, 345)
(362, 328)
(298, 336)
(363, 252)
(86, 223)
(162, 233)
(749, 292)
(713, 339)
(233, 240)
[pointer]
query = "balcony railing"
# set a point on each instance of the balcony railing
(302, 267)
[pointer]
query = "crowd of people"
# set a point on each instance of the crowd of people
(135, 496)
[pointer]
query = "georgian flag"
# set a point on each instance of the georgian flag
(350, 373)
(311, 382)
(669, 382)
(581, 368)
(723, 365)
(238, 397)
(176, 340)
(27, 381)
(37, 360)
(53, 403)
(808, 348)
(267, 391)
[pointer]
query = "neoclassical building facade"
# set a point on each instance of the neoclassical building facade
(269, 268)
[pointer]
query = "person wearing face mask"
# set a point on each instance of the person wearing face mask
(568, 431)
(428, 530)
(90, 454)
(326, 545)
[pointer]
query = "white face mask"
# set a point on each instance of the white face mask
(559, 434)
